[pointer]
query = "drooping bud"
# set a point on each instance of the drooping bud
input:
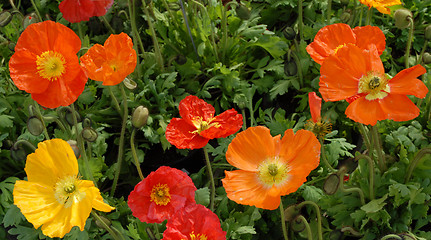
(89, 134)
(69, 117)
(140, 117)
(290, 68)
(35, 126)
(129, 83)
(74, 145)
(345, 17)
(181, 59)
(243, 12)
(289, 33)
(18, 153)
(106, 222)
(428, 33)
(290, 213)
(297, 224)
(331, 184)
(427, 58)
(402, 18)
(5, 18)
(29, 19)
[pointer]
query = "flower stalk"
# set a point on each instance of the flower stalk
(283, 221)
(211, 178)
(371, 168)
(106, 227)
(135, 156)
(409, 41)
(39, 115)
(415, 162)
(159, 57)
(319, 217)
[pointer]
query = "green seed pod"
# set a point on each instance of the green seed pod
(11, 46)
(74, 145)
(140, 117)
(427, 58)
(89, 134)
(35, 126)
(428, 33)
(345, 17)
(5, 18)
(402, 18)
(331, 184)
(243, 12)
(18, 153)
(289, 33)
(290, 68)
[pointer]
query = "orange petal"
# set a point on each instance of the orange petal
(406, 82)
(227, 123)
(252, 146)
(364, 111)
(370, 35)
(399, 108)
(315, 103)
(180, 133)
(244, 188)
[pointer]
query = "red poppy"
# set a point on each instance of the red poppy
(112, 62)
(45, 64)
(194, 222)
(198, 124)
(270, 167)
(358, 76)
(161, 194)
(331, 38)
(81, 10)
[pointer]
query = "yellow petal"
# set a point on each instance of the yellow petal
(98, 203)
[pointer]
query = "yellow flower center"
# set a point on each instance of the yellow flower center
(160, 194)
(273, 171)
(375, 85)
(202, 125)
(338, 48)
(66, 191)
(50, 65)
(319, 128)
(193, 236)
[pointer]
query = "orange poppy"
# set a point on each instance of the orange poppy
(270, 167)
(331, 38)
(112, 62)
(317, 125)
(358, 76)
(381, 5)
(45, 64)
(81, 10)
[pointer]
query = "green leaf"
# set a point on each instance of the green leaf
(13, 216)
(312, 193)
(202, 196)
(375, 205)
(273, 44)
(5, 121)
(24, 233)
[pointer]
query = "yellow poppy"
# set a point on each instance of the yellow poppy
(53, 196)
(381, 5)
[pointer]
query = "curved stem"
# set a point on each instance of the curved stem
(39, 115)
(114, 99)
(299, 65)
(369, 16)
(283, 221)
(319, 218)
(25, 143)
(189, 31)
(106, 227)
(136, 35)
(415, 161)
(371, 168)
(135, 156)
(323, 156)
(364, 132)
(121, 143)
(244, 121)
(105, 21)
(36, 10)
(391, 236)
(159, 57)
(352, 189)
(379, 148)
(360, 15)
(211, 178)
(300, 24)
(409, 41)
(307, 227)
(424, 48)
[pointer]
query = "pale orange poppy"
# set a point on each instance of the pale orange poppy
(381, 5)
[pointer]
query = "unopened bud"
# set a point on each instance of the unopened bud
(181, 59)
(428, 33)
(106, 222)
(290, 68)
(89, 134)
(29, 19)
(289, 33)
(345, 17)
(11, 46)
(34, 126)
(140, 117)
(69, 117)
(129, 83)
(74, 145)
(290, 213)
(331, 184)
(174, 6)
(297, 224)
(427, 58)
(403, 18)
(243, 12)
(5, 18)
(18, 153)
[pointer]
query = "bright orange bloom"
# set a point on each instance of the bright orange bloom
(45, 64)
(317, 125)
(381, 5)
(331, 38)
(198, 124)
(270, 167)
(112, 62)
(315, 106)
(81, 10)
(358, 76)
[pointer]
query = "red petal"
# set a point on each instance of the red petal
(315, 106)
(370, 35)
(229, 122)
(180, 133)
(192, 107)
(406, 82)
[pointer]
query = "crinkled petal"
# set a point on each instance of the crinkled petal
(243, 187)
(406, 82)
(251, 147)
(315, 103)
(192, 107)
(227, 123)
(181, 134)
(91, 190)
(370, 35)
(77, 11)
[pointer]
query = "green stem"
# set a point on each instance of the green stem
(300, 21)
(39, 115)
(361, 11)
(328, 11)
(114, 99)
(36, 10)
(352, 189)
(424, 48)
(369, 16)
(106, 227)
(159, 57)
(391, 236)
(323, 156)
(25, 143)
(299, 65)
(244, 121)
(105, 21)
(379, 148)
(283, 221)
(371, 168)
(409, 41)
(307, 227)
(415, 161)
(173, 16)
(136, 36)
(211, 178)
(364, 132)
(121, 143)
(135, 156)
(319, 217)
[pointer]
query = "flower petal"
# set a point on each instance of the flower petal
(180, 133)
(406, 82)
(251, 147)
(192, 107)
(315, 103)
(370, 35)
(228, 122)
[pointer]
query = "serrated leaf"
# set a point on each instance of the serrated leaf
(312, 193)
(6, 121)
(375, 205)
(13, 216)
(24, 233)
(202, 196)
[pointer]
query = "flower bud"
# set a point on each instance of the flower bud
(243, 12)
(34, 126)
(5, 18)
(402, 18)
(174, 6)
(140, 117)
(129, 83)
(289, 33)
(290, 213)
(106, 222)
(11, 46)
(69, 117)
(297, 224)
(345, 17)
(290, 68)
(331, 184)
(18, 153)
(427, 58)
(29, 19)
(181, 59)
(74, 145)
(428, 33)
(89, 134)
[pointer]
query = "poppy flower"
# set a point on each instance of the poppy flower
(112, 62)
(358, 76)
(161, 194)
(198, 124)
(53, 196)
(194, 222)
(316, 125)
(81, 10)
(381, 5)
(45, 64)
(270, 167)
(331, 38)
